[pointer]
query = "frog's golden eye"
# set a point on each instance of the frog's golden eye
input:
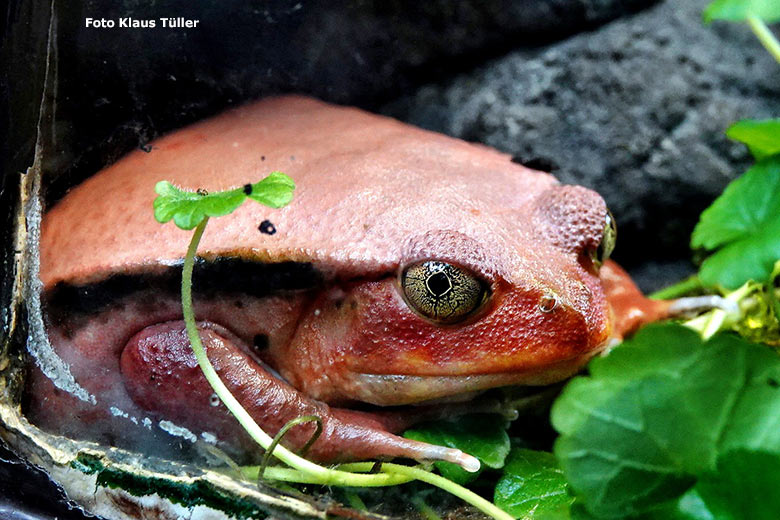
(442, 292)
(608, 238)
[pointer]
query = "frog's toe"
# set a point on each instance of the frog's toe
(695, 304)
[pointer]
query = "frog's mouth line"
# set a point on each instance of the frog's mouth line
(402, 389)
(399, 389)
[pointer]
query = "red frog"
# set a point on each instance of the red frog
(411, 268)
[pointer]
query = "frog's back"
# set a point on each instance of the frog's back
(365, 184)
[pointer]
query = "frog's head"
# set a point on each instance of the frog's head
(519, 302)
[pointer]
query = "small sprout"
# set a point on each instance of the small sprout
(188, 208)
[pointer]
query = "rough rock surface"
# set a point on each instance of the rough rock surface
(119, 88)
(635, 110)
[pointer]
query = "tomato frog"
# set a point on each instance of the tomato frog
(411, 268)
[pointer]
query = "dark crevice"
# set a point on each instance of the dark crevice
(544, 164)
(223, 276)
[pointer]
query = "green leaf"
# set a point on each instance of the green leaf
(655, 414)
(762, 137)
(533, 486)
(275, 191)
(189, 208)
(743, 225)
(481, 435)
(740, 10)
(745, 485)
(689, 507)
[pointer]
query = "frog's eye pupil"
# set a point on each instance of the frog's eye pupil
(442, 292)
(438, 284)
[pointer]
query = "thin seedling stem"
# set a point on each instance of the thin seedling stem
(440, 482)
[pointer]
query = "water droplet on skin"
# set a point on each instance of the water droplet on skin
(214, 400)
(548, 302)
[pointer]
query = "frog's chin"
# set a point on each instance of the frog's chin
(402, 389)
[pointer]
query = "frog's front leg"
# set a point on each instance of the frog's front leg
(163, 377)
(630, 308)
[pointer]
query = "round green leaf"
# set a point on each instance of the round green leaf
(743, 227)
(655, 414)
(533, 486)
(189, 208)
(762, 137)
(745, 485)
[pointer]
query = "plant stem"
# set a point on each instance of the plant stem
(396, 474)
(309, 469)
(293, 475)
(355, 502)
(269, 451)
(765, 36)
(425, 510)
(440, 482)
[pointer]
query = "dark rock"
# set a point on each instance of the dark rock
(636, 110)
(119, 88)
(652, 275)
